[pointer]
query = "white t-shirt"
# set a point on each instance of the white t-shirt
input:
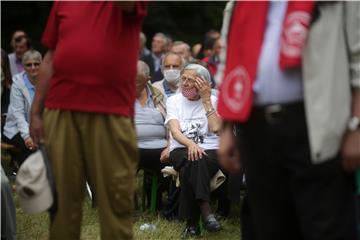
(193, 121)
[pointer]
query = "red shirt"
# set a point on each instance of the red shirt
(95, 54)
(211, 64)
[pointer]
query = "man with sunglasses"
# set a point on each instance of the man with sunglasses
(16, 129)
(20, 43)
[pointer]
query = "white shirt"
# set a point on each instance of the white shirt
(193, 121)
(274, 85)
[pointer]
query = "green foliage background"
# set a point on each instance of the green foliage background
(183, 20)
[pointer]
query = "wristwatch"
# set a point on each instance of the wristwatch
(354, 123)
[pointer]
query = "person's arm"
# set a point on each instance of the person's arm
(351, 143)
(195, 152)
(36, 121)
(165, 154)
(228, 152)
(213, 118)
(17, 107)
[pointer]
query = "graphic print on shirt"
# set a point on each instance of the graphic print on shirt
(192, 130)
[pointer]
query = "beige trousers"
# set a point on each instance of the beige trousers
(100, 149)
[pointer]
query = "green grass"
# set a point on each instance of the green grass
(36, 226)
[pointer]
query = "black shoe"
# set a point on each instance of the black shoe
(211, 224)
(190, 231)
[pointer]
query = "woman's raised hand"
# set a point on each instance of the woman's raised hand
(203, 87)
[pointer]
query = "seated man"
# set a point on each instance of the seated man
(183, 49)
(171, 66)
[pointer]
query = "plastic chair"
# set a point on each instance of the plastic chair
(154, 188)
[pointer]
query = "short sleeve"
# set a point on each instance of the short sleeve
(171, 109)
(214, 102)
(50, 35)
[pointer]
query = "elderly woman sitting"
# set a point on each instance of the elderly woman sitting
(194, 124)
(149, 122)
(16, 129)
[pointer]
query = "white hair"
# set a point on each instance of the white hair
(31, 54)
(144, 68)
(201, 70)
(182, 61)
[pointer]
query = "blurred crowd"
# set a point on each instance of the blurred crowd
(159, 72)
(268, 90)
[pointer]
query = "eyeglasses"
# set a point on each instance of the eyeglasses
(32, 64)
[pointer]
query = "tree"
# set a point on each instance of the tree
(183, 20)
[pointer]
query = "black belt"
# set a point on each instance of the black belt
(277, 112)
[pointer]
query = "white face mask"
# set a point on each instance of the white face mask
(172, 76)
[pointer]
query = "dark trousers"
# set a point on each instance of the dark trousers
(18, 141)
(171, 210)
(150, 160)
(289, 197)
(195, 181)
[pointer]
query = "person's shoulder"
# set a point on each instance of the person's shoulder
(157, 94)
(11, 56)
(18, 82)
(175, 98)
(156, 89)
(18, 78)
(147, 58)
(159, 84)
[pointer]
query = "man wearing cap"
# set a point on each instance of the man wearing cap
(87, 88)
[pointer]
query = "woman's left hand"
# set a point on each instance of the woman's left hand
(165, 155)
(203, 87)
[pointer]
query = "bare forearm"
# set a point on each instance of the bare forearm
(178, 136)
(174, 128)
(45, 74)
(214, 120)
(356, 103)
